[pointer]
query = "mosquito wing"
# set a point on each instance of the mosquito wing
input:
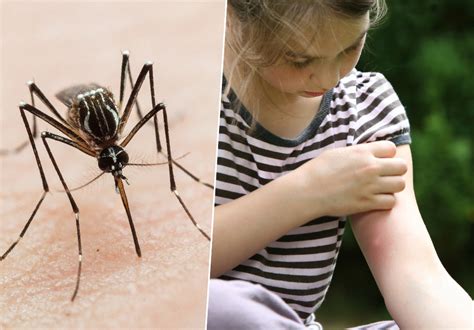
(68, 95)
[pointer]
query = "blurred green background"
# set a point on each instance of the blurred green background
(426, 50)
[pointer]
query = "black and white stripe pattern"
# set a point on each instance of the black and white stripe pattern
(98, 114)
(299, 266)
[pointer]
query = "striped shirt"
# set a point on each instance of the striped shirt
(363, 107)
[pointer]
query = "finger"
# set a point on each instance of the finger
(390, 185)
(384, 201)
(392, 166)
(382, 149)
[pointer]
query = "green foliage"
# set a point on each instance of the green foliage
(442, 161)
(426, 50)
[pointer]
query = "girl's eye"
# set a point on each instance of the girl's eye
(300, 64)
(297, 62)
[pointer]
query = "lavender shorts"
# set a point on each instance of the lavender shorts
(241, 305)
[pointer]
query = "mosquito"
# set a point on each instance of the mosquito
(94, 124)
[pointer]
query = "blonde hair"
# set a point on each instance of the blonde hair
(260, 32)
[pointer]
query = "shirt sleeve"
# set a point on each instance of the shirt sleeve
(380, 114)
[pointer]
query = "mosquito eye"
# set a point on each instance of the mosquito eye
(122, 158)
(105, 163)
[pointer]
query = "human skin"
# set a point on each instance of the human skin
(167, 286)
(418, 291)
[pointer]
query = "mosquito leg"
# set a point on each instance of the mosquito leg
(75, 209)
(126, 70)
(173, 187)
(155, 119)
(133, 95)
(35, 124)
(147, 68)
(43, 180)
(157, 137)
(64, 128)
(46, 135)
(143, 121)
(132, 133)
(125, 56)
(35, 112)
(192, 176)
(61, 125)
(34, 90)
(121, 189)
(25, 228)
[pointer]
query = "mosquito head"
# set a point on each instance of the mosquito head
(112, 160)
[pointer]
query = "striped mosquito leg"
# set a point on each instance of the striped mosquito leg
(23, 145)
(43, 180)
(25, 228)
(125, 55)
(136, 128)
(157, 136)
(75, 209)
(192, 176)
(175, 192)
(148, 69)
(125, 70)
(35, 91)
(159, 148)
(32, 98)
(172, 180)
(79, 266)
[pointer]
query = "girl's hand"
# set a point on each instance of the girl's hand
(350, 180)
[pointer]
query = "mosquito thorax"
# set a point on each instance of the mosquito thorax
(113, 159)
(97, 114)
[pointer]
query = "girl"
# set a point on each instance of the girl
(295, 158)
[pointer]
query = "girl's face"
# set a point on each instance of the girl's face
(310, 72)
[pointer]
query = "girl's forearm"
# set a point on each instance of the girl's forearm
(248, 224)
(431, 301)
(418, 291)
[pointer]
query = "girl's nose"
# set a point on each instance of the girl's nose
(326, 75)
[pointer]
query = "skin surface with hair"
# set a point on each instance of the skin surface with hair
(277, 95)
